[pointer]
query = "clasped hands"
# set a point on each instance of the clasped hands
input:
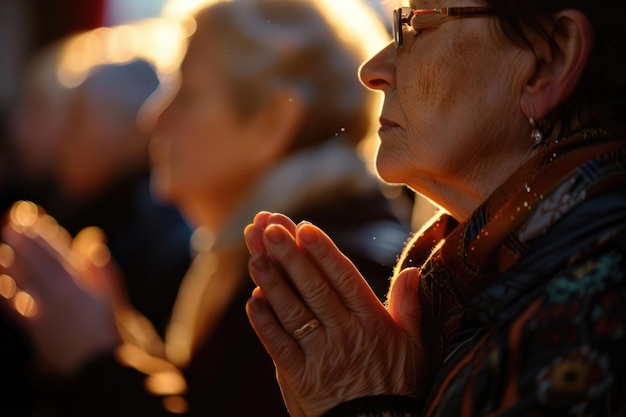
(330, 337)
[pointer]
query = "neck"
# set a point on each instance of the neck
(212, 211)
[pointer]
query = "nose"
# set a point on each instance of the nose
(379, 72)
(153, 108)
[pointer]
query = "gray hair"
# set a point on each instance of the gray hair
(263, 45)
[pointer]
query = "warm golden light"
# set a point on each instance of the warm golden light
(24, 213)
(50, 230)
(25, 304)
(99, 255)
(160, 41)
(133, 356)
(8, 288)
(175, 404)
(166, 383)
(178, 8)
(91, 243)
(7, 255)
(366, 31)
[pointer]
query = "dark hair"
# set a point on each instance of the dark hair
(601, 92)
(121, 88)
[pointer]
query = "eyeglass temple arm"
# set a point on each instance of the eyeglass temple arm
(453, 11)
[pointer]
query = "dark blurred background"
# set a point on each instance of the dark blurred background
(27, 26)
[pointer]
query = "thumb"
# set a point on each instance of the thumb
(404, 306)
(104, 277)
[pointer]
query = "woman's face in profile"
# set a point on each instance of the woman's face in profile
(450, 94)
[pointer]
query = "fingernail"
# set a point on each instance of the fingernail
(307, 234)
(254, 304)
(413, 280)
(260, 262)
(275, 235)
(7, 255)
(24, 214)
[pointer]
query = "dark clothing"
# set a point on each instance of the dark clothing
(150, 241)
(525, 303)
(229, 373)
(232, 374)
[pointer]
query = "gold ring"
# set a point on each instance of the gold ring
(305, 329)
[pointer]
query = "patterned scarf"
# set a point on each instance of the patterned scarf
(458, 261)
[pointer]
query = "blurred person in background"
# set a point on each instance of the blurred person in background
(78, 153)
(30, 142)
(33, 127)
(269, 115)
(102, 172)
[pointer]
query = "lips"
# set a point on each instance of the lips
(386, 124)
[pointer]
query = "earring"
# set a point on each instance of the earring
(536, 136)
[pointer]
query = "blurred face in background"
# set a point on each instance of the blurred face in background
(34, 134)
(96, 148)
(202, 153)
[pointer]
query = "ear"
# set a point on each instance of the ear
(558, 72)
(277, 123)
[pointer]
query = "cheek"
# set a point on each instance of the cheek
(203, 157)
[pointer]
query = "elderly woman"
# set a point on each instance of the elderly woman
(268, 116)
(510, 116)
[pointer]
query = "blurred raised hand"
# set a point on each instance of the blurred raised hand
(64, 293)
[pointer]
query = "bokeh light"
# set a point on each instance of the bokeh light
(24, 213)
(8, 288)
(7, 255)
(166, 383)
(160, 41)
(175, 404)
(25, 304)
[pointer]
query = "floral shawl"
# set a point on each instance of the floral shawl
(482, 278)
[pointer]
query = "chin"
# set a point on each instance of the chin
(161, 188)
(388, 170)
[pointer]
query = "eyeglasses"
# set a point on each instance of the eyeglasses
(427, 18)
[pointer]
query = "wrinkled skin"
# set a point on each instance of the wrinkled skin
(360, 348)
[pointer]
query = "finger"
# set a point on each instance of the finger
(13, 265)
(287, 305)
(90, 245)
(261, 218)
(254, 232)
(404, 306)
(14, 300)
(29, 222)
(36, 261)
(279, 344)
(311, 285)
(282, 220)
(16, 303)
(348, 284)
(28, 218)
